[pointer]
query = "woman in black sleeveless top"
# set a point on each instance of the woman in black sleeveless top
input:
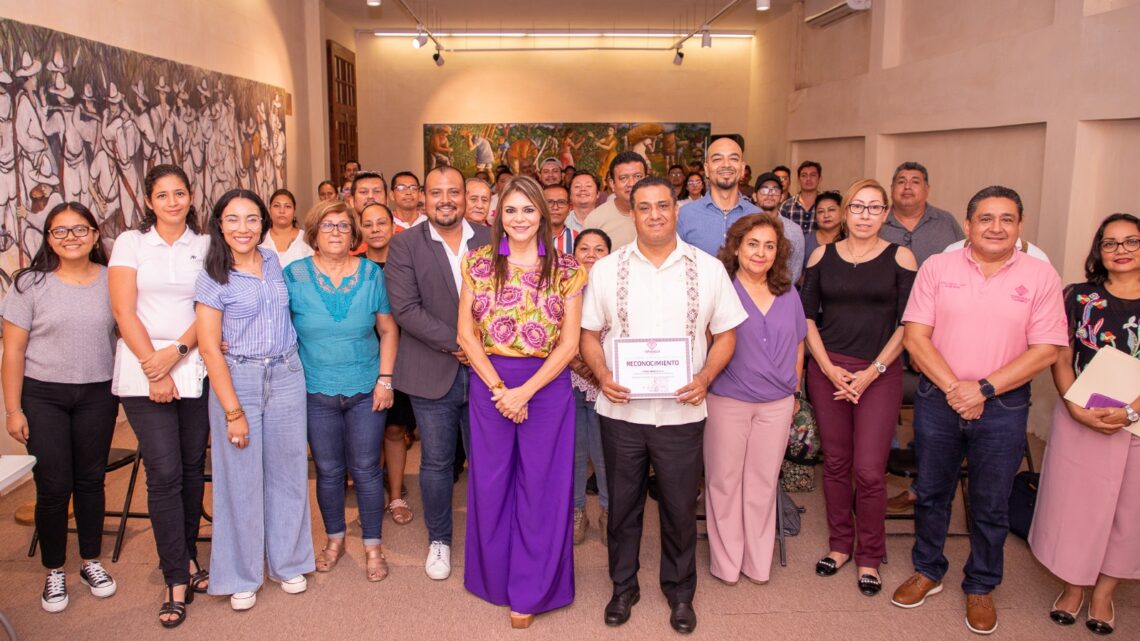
(854, 294)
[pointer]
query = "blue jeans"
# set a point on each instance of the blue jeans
(261, 492)
(588, 446)
(345, 435)
(441, 420)
(993, 446)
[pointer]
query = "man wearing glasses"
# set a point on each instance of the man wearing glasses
(913, 222)
(405, 200)
(558, 201)
(615, 216)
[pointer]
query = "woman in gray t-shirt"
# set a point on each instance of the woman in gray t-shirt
(58, 358)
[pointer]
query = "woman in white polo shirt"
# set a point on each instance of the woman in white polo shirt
(152, 274)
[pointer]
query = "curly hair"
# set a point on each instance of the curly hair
(779, 275)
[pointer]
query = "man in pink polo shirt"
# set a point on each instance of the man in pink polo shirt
(980, 324)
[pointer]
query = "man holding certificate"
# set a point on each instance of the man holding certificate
(646, 318)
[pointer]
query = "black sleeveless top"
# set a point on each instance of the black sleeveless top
(856, 307)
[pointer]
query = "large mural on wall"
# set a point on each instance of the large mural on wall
(84, 121)
(587, 146)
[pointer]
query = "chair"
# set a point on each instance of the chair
(117, 458)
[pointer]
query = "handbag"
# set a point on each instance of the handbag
(1022, 503)
(129, 379)
(797, 471)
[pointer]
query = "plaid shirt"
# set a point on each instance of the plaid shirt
(794, 211)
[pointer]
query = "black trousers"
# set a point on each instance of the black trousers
(69, 432)
(172, 440)
(676, 454)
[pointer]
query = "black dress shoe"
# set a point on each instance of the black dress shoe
(683, 618)
(619, 607)
(827, 566)
(870, 585)
(1100, 626)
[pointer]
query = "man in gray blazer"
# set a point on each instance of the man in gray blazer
(423, 279)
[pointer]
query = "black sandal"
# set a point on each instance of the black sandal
(199, 577)
(177, 608)
(827, 566)
(869, 584)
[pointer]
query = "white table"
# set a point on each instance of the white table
(13, 467)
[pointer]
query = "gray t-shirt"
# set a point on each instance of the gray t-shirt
(71, 331)
(935, 230)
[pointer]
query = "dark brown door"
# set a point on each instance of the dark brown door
(342, 109)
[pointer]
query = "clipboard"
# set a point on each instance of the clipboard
(1112, 374)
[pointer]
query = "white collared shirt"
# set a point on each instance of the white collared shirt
(296, 250)
(454, 258)
(657, 308)
(165, 276)
(406, 226)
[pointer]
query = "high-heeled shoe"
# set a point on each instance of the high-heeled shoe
(199, 579)
(330, 555)
(1064, 617)
(177, 608)
(1099, 626)
(520, 621)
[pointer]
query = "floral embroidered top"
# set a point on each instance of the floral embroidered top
(1098, 319)
(520, 319)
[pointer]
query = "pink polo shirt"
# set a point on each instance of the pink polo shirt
(981, 324)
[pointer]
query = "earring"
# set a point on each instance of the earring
(541, 249)
(504, 247)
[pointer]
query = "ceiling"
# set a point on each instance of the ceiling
(617, 15)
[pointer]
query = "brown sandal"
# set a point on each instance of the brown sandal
(330, 555)
(400, 511)
(375, 564)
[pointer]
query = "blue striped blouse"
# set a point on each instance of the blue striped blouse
(255, 311)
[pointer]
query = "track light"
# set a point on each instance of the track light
(419, 41)
(763, 5)
(373, 3)
(706, 38)
(679, 58)
(438, 57)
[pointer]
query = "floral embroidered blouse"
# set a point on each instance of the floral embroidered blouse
(520, 319)
(1098, 319)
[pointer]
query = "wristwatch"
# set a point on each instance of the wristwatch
(987, 389)
(182, 349)
(1133, 417)
(879, 367)
(385, 384)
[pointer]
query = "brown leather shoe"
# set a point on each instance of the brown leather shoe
(981, 617)
(901, 502)
(913, 592)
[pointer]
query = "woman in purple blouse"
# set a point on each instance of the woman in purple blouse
(751, 403)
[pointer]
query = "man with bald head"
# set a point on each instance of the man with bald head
(423, 279)
(705, 221)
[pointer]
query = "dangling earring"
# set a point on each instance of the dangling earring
(505, 247)
(541, 249)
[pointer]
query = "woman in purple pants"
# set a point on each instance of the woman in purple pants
(519, 315)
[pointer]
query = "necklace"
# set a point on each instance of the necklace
(858, 259)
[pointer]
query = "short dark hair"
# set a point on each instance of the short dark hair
(782, 168)
(440, 169)
(564, 188)
(833, 196)
(597, 183)
(994, 191)
(809, 163)
(675, 166)
(398, 174)
(652, 181)
(365, 175)
(595, 232)
(351, 161)
(323, 183)
(626, 157)
(503, 170)
(910, 165)
(1095, 271)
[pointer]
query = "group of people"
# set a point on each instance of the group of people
(490, 317)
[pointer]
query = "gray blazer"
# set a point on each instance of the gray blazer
(425, 303)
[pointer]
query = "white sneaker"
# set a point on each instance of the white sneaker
(295, 585)
(96, 578)
(438, 564)
(243, 600)
(54, 598)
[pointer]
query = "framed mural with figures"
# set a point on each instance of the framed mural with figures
(84, 121)
(587, 146)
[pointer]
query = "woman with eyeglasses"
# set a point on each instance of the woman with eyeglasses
(56, 376)
(694, 188)
(257, 409)
(151, 279)
(1086, 526)
(854, 294)
(285, 238)
(828, 223)
(340, 306)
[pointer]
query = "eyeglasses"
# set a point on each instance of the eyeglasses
(79, 231)
(768, 191)
(343, 227)
(874, 210)
(403, 188)
(1107, 246)
(557, 203)
(629, 178)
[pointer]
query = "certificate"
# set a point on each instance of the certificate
(653, 367)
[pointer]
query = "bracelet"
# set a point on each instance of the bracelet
(382, 375)
(234, 414)
(13, 412)
(499, 385)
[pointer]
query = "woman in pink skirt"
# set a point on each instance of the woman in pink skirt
(1086, 529)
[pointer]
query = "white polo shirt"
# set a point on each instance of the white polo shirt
(657, 306)
(165, 277)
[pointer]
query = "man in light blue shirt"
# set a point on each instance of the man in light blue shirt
(705, 222)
